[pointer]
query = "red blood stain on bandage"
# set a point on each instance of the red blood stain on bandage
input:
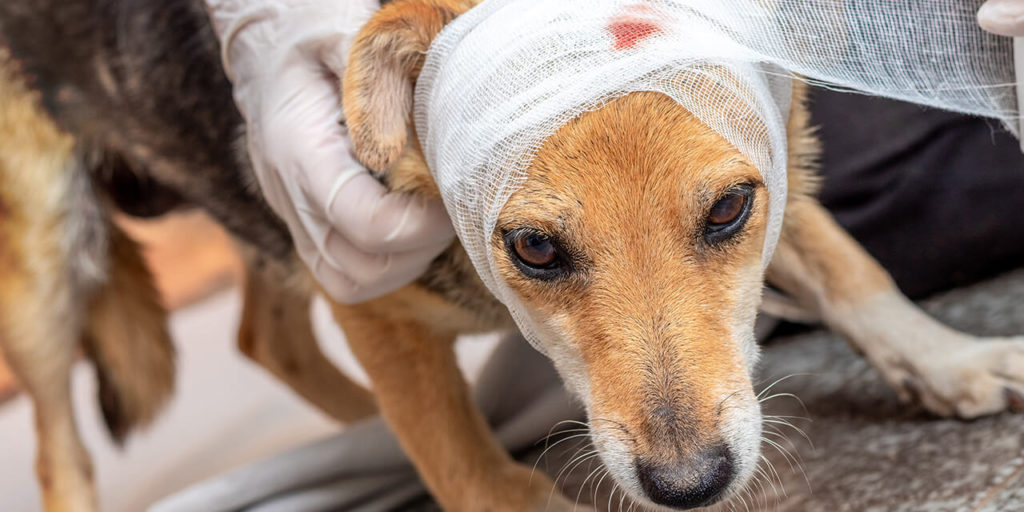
(628, 30)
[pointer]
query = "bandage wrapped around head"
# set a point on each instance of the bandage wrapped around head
(507, 74)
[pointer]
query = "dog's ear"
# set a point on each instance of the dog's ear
(383, 65)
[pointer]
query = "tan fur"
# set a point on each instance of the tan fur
(404, 342)
(814, 256)
(386, 57)
(649, 324)
(38, 313)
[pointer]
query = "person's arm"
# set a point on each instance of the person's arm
(1003, 17)
(285, 58)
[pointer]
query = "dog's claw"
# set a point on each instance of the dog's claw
(1014, 399)
(908, 392)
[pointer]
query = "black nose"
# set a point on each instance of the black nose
(695, 481)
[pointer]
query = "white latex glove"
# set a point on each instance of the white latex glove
(284, 58)
(1003, 17)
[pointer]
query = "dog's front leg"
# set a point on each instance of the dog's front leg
(950, 372)
(424, 398)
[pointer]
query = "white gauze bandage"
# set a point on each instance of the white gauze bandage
(507, 74)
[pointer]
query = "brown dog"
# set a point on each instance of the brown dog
(649, 304)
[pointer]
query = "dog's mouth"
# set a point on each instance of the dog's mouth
(686, 476)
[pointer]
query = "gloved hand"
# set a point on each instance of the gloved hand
(1003, 17)
(285, 59)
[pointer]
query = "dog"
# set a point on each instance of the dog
(649, 305)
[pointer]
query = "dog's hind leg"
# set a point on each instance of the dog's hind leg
(950, 372)
(41, 301)
(276, 332)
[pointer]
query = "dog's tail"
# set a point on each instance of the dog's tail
(126, 337)
(82, 272)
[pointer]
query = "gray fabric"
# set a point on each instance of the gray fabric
(364, 469)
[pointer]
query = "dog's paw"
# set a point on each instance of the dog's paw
(974, 378)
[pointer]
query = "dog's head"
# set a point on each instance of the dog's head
(635, 245)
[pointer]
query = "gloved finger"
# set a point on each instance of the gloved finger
(364, 212)
(332, 280)
(311, 145)
(333, 49)
(1003, 17)
(379, 270)
(350, 283)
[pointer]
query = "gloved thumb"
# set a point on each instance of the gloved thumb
(1003, 17)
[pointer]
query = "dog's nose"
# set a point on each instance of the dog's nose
(696, 481)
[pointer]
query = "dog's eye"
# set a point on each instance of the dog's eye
(726, 210)
(535, 254)
(728, 215)
(535, 250)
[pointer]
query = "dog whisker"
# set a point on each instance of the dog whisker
(576, 456)
(597, 487)
(591, 471)
(789, 395)
(774, 474)
(574, 463)
(784, 452)
(771, 482)
(571, 422)
(552, 431)
(611, 496)
(789, 459)
(571, 467)
(763, 491)
(776, 421)
(592, 420)
(566, 431)
(583, 484)
(622, 496)
(718, 409)
(556, 443)
(776, 496)
(758, 475)
(781, 379)
(743, 500)
(795, 456)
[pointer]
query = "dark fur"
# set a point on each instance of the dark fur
(167, 132)
(140, 86)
